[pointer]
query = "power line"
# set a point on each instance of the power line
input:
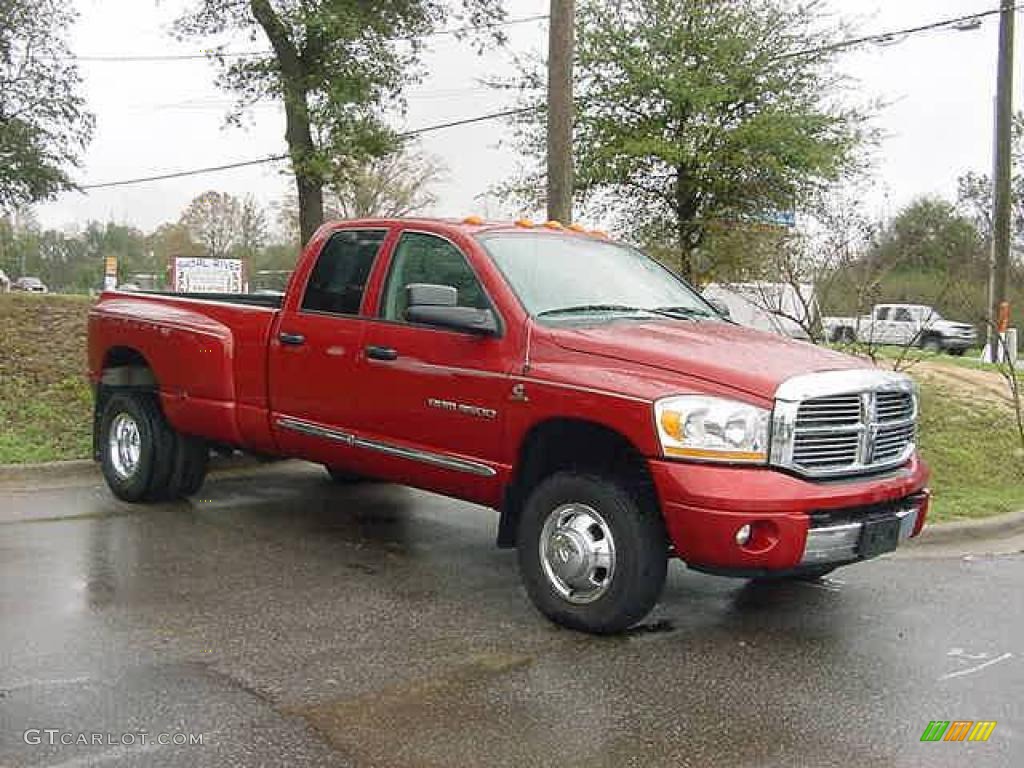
(212, 54)
(881, 37)
(278, 158)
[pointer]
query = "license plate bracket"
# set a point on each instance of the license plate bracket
(879, 536)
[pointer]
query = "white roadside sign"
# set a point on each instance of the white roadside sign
(199, 275)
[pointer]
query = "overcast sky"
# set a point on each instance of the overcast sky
(155, 117)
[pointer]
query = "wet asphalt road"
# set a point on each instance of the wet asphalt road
(291, 622)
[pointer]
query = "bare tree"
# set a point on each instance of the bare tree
(399, 184)
(214, 219)
(253, 229)
(396, 185)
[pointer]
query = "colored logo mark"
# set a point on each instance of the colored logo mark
(958, 730)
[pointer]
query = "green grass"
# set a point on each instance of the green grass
(45, 401)
(974, 453)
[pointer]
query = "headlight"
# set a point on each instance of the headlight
(712, 429)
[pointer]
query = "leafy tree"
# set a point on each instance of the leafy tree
(44, 125)
(689, 113)
(125, 243)
(336, 65)
(928, 254)
(929, 235)
(170, 240)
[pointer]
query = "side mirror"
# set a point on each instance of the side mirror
(720, 307)
(436, 305)
(426, 294)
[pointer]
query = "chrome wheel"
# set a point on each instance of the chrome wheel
(577, 552)
(125, 445)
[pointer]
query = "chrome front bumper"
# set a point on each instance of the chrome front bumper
(839, 543)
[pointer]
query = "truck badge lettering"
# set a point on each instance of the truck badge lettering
(466, 410)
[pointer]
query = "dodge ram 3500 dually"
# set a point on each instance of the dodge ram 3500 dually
(593, 398)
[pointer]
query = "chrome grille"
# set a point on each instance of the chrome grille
(867, 423)
(829, 412)
(892, 441)
(894, 406)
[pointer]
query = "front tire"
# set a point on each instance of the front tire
(592, 554)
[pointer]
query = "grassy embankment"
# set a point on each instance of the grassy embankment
(967, 431)
(45, 402)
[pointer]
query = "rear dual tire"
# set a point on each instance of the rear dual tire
(141, 456)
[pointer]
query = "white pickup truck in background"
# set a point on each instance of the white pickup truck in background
(903, 325)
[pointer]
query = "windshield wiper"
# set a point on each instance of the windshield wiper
(686, 312)
(584, 308)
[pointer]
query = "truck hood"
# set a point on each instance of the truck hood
(740, 358)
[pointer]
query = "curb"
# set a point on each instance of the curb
(81, 469)
(999, 527)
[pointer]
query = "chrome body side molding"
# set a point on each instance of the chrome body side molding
(390, 449)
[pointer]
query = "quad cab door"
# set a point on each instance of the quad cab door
(903, 325)
(314, 385)
(434, 399)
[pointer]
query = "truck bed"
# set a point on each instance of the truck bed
(207, 352)
(249, 299)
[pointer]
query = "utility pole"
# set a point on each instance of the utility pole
(561, 43)
(1001, 219)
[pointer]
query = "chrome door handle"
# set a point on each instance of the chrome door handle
(291, 339)
(386, 354)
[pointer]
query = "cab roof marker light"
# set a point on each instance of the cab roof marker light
(525, 223)
(599, 233)
(473, 220)
(553, 224)
(577, 228)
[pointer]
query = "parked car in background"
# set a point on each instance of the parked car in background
(903, 325)
(780, 308)
(5, 282)
(30, 285)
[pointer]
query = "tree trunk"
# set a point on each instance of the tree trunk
(301, 147)
(308, 185)
(686, 228)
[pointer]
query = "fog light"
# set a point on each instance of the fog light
(743, 536)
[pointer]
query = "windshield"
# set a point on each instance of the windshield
(562, 276)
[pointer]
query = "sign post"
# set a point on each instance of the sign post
(110, 273)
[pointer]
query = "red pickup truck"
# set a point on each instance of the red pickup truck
(608, 412)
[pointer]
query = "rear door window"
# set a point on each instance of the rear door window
(338, 281)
